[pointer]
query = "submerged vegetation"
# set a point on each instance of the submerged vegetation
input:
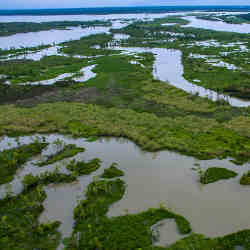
(214, 174)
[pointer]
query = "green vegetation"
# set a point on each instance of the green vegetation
(31, 181)
(232, 82)
(12, 28)
(214, 174)
(67, 151)
(12, 159)
(245, 179)
(19, 216)
(93, 229)
(112, 172)
(198, 242)
(22, 71)
(201, 137)
(22, 51)
(84, 168)
(220, 79)
(85, 46)
(232, 18)
(20, 227)
(123, 100)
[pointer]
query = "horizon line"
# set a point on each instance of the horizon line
(129, 6)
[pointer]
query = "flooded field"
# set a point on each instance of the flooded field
(123, 105)
(152, 179)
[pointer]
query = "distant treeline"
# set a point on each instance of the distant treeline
(120, 10)
(11, 28)
(245, 16)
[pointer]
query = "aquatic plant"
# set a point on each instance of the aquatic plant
(93, 229)
(67, 151)
(31, 181)
(12, 159)
(214, 174)
(245, 179)
(20, 227)
(112, 172)
(84, 168)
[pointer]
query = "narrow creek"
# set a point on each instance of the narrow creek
(152, 179)
(168, 67)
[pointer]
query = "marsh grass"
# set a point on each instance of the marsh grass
(245, 179)
(20, 228)
(93, 229)
(22, 71)
(67, 151)
(12, 159)
(11, 28)
(112, 172)
(214, 174)
(84, 168)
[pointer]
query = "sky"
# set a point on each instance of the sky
(27, 4)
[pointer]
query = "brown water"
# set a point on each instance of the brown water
(152, 179)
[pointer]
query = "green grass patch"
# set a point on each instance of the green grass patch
(93, 229)
(67, 151)
(12, 159)
(20, 227)
(245, 179)
(31, 181)
(84, 168)
(203, 138)
(214, 174)
(112, 172)
(85, 46)
(22, 71)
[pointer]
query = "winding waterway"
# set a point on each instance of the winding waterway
(168, 64)
(168, 68)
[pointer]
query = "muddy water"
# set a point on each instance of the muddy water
(152, 179)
